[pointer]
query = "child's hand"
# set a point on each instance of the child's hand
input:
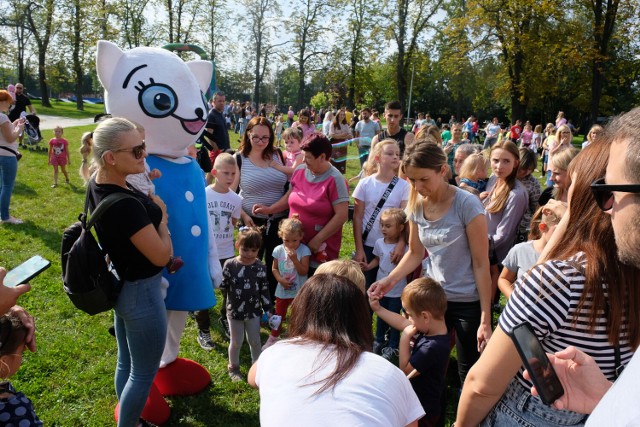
(155, 174)
(374, 302)
(410, 330)
(292, 254)
(364, 266)
(483, 195)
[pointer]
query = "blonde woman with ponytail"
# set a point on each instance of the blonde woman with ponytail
(380, 170)
(450, 224)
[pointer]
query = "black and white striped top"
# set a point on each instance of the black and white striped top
(547, 298)
(263, 186)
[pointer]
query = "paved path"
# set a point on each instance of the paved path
(50, 122)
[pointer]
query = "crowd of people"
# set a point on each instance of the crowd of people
(443, 224)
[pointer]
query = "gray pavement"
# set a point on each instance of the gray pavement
(50, 122)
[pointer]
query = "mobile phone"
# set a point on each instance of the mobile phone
(537, 363)
(26, 271)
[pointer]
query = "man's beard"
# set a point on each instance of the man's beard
(629, 245)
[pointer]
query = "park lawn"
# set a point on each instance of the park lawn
(70, 378)
(68, 109)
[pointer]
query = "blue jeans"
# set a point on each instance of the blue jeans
(363, 153)
(518, 407)
(141, 328)
(369, 276)
(393, 304)
(8, 172)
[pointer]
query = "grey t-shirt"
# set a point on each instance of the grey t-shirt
(449, 261)
(367, 130)
(521, 258)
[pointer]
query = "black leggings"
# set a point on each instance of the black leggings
(463, 318)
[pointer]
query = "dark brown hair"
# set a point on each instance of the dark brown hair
(590, 231)
(501, 197)
(12, 335)
(317, 144)
(331, 311)
(245, 142)
(249, 237)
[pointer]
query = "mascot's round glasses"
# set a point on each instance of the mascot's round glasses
(137, 151)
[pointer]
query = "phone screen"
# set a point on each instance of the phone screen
(26, 271)
(537, 363)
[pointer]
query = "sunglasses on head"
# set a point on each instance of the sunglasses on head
(603, 193)
(137, 151)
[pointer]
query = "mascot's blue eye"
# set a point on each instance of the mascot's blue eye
(158, 100)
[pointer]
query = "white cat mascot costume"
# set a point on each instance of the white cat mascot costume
(164, 94)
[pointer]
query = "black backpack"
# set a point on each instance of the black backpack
(88, 277)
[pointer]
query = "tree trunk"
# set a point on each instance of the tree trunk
(42, 78)
(77, 65)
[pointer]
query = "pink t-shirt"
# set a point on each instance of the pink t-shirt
(290, 158)
(312, 198)
(527, 135)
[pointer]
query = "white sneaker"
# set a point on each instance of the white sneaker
(12, 220)
(270, 341)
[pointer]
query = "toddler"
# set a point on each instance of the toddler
(424, 346)
(526, 138)
(244, 280)
(525, 255)
(293, 154)
(345, 268)
(473, 174)
(59, 155)
(392, 222)
(290, 268)
(15, 408)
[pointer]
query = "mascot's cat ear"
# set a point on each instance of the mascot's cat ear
(107, 57)
(203, 71)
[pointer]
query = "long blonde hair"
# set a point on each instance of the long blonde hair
(500, 197)
(373, 165)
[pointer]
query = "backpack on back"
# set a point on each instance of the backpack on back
(88, 278)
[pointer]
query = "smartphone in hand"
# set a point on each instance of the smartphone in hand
(26, 271)
(537, 363)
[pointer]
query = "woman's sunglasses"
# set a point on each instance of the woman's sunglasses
(603, 193)
(137, 151)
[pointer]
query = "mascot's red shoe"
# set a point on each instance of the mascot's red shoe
(156, 410)
(182, 377)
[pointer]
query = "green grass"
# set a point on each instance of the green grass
(68, 109)
(70, 378)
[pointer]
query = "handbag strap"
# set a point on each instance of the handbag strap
(15, 153)
(376, 211)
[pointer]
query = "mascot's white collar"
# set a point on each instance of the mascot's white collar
(159, 91)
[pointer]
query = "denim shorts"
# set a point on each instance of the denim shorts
(518, 407)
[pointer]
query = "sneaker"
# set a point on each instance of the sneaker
(204, 339)
(270, 341)
(225, 327)
(12, 220)
(377, 347)
(389, 353)
(54, 185)
(235, 375)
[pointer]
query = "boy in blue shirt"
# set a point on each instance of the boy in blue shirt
(424, 344)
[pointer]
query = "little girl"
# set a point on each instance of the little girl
(527, 137)
(293, 154)
(59, 155)
(290, 268)
(392, 223)
(473, 174)
(380, 171)
(15, 408)
(536, 139)
(279, 126)
(244, 280)
(525, 255)
(85, 152)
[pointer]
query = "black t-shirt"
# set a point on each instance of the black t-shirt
(218, 126)
(116, 226)
(545, 196)
(399, 137)
(20, 105)
(430, 356)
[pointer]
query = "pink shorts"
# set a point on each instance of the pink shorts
(58, 160)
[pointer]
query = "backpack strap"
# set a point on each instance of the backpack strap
(102, 207)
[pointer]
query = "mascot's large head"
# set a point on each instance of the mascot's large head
(158, 90)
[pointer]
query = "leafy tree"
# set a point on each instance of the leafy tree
(40, 21)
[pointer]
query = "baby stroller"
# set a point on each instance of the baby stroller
(32, 129)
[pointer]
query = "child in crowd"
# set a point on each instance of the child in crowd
(528, 162)
(526, 138)
(278, 128)
(345, 268)
(293, 154)
(380, 171)
(224, 207)
(59, 155)
(525, 255)
(446, 134)
(247, 292)
(424, 346)
(536, 139)
(465, 138)
(143, 181)
(290, 268)
(473, 174)
(15, 408)
(392, 222)
(85, 151)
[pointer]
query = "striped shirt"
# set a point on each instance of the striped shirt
(547, 298)
(263, 186)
